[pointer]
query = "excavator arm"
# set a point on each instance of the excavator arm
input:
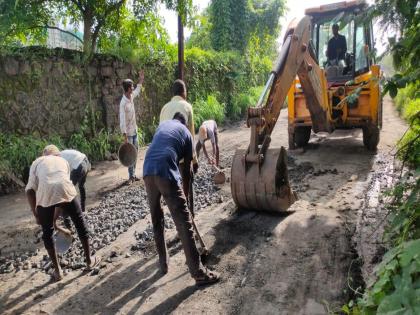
(294, 59)
(259, 174)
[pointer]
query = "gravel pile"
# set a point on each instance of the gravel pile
(206, 193)
(115, 214)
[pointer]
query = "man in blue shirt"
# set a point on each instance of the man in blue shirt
(171, 143)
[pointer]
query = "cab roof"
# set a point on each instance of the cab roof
(327, 9)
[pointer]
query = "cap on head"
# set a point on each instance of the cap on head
(51, 149)
(127, 83)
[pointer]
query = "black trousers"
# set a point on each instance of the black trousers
(78, 177)
(46, 219)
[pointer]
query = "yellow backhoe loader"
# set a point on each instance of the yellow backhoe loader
(327, 86)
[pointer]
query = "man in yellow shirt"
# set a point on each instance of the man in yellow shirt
(178, 104)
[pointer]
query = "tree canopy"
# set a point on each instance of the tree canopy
(234, 22)
(27, 21)
(402, 16)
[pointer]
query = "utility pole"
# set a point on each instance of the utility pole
(180, 49)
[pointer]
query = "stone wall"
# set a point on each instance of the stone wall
(49, 92)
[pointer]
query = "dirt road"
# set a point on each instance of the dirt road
(301, 262)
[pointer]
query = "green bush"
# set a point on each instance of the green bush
(407, 101)
(408, 105)
(397, 289)
(208, 109)
(242, 101)
(396, 285)
(18, 152)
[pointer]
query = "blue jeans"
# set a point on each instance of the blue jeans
(134, 141)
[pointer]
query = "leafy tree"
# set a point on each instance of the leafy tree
(138, 40)
(200, 35)
(26, 22)
(234, 22)
(402, 16)
(182, 7)
(96, 15)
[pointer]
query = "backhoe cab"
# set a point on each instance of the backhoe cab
(353, 92)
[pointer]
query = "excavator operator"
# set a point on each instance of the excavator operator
(337, 46)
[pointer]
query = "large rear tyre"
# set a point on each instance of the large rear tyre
(371, 137)
(302, 136)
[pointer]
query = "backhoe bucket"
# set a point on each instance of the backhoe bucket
(264, 186)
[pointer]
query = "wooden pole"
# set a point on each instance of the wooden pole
(180, 49)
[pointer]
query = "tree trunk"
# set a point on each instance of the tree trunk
(87, 32)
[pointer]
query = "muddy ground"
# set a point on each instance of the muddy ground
(306, 261)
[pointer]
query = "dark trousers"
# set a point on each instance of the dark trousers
(46, 219)
(78, 177)
(172, 193)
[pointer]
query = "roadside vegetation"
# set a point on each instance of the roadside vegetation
(395, 286)
(227, 57)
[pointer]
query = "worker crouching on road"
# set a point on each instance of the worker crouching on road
(171, 143)
(48, 187)
(208, 131)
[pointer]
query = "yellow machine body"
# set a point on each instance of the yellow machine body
(322, 96)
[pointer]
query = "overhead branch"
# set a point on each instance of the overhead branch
(56, 28)
(102, 19)
(79, 5)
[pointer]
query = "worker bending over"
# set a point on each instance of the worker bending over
(80, 167)
(208, 131)
(48, 187)
(162, 177)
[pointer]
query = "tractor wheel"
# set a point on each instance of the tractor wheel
(302, 136)
(371, 137)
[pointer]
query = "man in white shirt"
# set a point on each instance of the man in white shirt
(80, 167)
(208, 131)
(48, 187)
(128, 123)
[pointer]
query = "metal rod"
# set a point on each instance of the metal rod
(266, 87)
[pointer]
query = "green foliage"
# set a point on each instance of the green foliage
(403, 18)
(408, 105)
(407, 101)
(139, 41)
(404, 211)
(208, 109)
(146, 131)
(397, 290)
(200, 35)
(183, 7)
(21, 22)
(242, 101)
(233, 22)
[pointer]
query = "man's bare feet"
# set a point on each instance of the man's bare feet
(57, 275)
(92, 263)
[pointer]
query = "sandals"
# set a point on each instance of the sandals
(208, 277)
(95, 262)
